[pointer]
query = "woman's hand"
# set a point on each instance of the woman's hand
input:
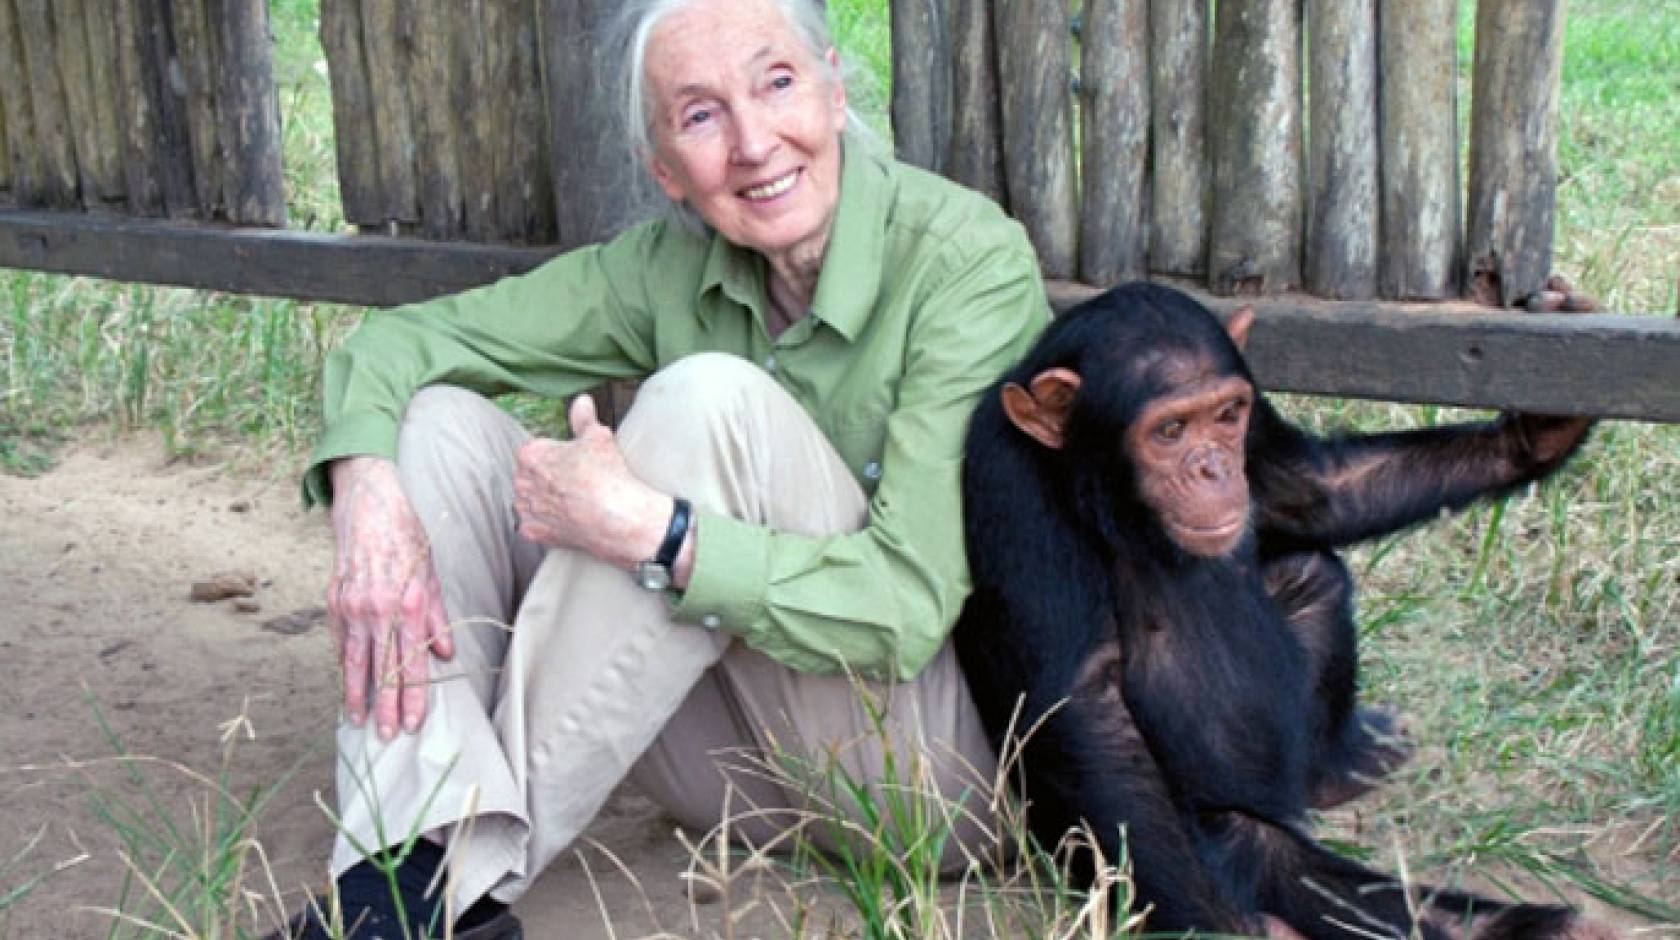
(580, 494)
(384, 600)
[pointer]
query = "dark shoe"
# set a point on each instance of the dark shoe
(304, 926)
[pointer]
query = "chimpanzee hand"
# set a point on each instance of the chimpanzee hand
(580, 494)
(1547, 439)
(384, 599)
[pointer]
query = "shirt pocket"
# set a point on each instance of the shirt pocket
(859, 438)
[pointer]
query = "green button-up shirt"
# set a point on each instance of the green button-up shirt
(928, 292)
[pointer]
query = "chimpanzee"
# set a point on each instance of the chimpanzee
(1156, 590)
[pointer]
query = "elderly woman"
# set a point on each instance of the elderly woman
(525, 622)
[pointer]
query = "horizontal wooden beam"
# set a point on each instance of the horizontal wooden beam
(1456, 354)
(1459, 354)
(370, 270)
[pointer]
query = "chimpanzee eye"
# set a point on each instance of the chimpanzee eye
(1170, 430)
(1233, 411)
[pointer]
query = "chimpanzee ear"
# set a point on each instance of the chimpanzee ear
(1237, 325)
(1041, 409)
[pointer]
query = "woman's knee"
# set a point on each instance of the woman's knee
(452, 434)
(697, 405)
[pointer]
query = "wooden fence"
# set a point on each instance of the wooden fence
(1256, 145)
(148, 107)
(1261, 145)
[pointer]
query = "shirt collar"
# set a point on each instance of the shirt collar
(851, 275)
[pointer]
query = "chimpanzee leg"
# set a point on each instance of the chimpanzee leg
(1323, 896)
(1356, 746)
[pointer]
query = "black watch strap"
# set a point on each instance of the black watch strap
(675, 532)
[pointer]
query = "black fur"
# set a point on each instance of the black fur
(1200, 704)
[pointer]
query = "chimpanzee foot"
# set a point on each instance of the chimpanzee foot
(1376, 750)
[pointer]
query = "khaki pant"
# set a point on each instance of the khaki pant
(530, 728)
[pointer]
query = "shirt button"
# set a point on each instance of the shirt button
(710, 621)
(769, 363)
(872, 470)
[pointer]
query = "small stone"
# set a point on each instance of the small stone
(239, 505)
(223, 585)
(297, 622)
(246, 605)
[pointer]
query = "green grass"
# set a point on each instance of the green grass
(1534, 644)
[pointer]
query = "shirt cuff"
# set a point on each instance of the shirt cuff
(363, 435)
(731, 569)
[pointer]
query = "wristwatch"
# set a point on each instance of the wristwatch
(655, 573)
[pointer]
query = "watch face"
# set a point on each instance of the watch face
(653, 575)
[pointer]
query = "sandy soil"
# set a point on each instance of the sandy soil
(97, 559)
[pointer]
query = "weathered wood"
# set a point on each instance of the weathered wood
(356, 145)
(75, 74)
(249, 107)
(976, 157)
(171, 138)
(1114, 113)
(6, 181)
(1255, 130)
(1033, 72)
(1513, 147)
(478, 143)
(393, 127)
(1421, 202)
(592, 173)
(137, 107)
(197, 67)
(373, 270)
(1179, 170)
(24, 159)
(1447, 353)
(921, 81)
(45, 88)
(525, 197)
(99, 25)
(436, 117)
(1455, 354)
(1342, 149)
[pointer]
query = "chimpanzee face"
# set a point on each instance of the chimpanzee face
(1186, 450)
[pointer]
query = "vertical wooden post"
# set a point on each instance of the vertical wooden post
(1255, 124)
(921, 81)
(525, 195)
(25, 160)
(196, 65)
(1513, 147)
(431, 69)
(393, 128)
(1342, 150)
(7, 184)
(249, 110)
(75, 72)
(1033, 75)
(478, 136)
(1114, 112)
(104, 64)
(46, 101)
(170, 143)
(976, 157)
(357, 148)
(1421, 202)
(592, 172)
(1178, 75)
(140, 117)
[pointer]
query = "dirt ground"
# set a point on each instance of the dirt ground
(97, 558)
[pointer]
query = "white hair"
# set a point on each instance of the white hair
(637, 21)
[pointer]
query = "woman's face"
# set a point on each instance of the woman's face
(746, 124)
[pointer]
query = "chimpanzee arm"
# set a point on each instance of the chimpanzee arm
(1312, 492)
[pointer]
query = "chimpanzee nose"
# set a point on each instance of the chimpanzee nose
(1210, 463)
